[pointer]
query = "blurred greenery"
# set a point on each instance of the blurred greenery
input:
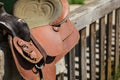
(8, 4)
(117, 75)
(76, 1)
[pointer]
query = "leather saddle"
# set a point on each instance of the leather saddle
(37, 50)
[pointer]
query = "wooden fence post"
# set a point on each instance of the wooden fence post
(1, 64)
(102, 48)
(117, 33)
(109, 46)
(82, 58)
(92, 51)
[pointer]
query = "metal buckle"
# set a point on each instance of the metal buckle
(39, 67)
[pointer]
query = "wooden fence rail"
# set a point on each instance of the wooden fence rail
(98, 49)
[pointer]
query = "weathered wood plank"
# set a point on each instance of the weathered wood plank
(71, 65)
(61, 76)
(109, 46)
(87, 14)
(117, 32)
(1, 64)
(92, 51)
(102, 47)
(82, 57)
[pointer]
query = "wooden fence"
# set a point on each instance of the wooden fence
(96, 56)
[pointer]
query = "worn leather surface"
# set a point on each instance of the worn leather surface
(49, 71)
(55, 44)
(63, 15)
(52, 41)
(27, 50)
(25, 68)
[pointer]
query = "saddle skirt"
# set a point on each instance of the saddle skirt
(56, 44)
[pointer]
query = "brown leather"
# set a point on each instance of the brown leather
(27, 50)
(54, 43)
(54, 39)
(69, 43)
(49, 72)
(63, 15)
(26, 69)
(51, 40)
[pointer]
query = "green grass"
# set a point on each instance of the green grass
(117, 75)
(8, 4)
(76, 1)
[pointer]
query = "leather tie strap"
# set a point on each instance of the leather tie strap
(40, 48)
(44, 54)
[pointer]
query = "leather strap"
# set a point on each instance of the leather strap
(40, 48)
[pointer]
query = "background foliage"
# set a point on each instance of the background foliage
(8, 4)
(76, 1)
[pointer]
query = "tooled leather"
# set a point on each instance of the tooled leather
(25, 68)
(27, 50)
